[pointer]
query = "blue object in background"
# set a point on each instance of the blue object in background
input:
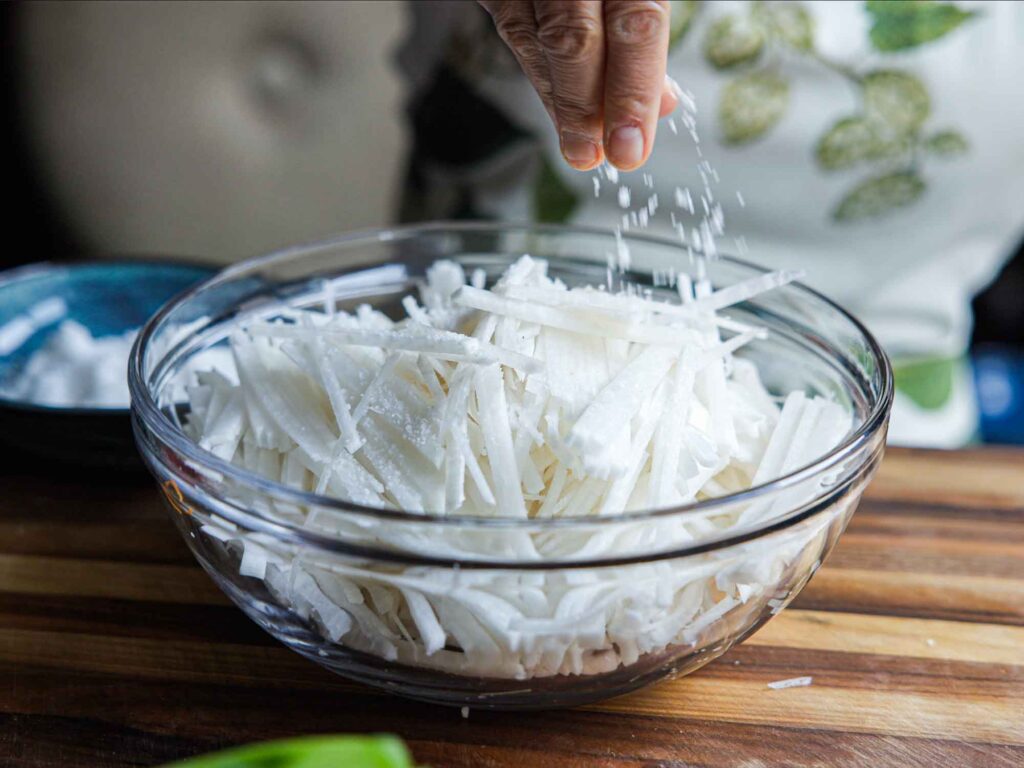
(999, 383)
(108, 298)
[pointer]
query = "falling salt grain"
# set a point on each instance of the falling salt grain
(739, 196)
(710, 248)
(465, 713)
(597, 186)
(718, 219)
(688, 100)
(792, 682)
(624, 258)
(624, 197)
(330, 300)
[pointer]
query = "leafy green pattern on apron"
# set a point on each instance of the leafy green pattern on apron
(927, 382)
(463, 142)
(887, 133)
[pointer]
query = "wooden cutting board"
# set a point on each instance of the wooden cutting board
(115, 649)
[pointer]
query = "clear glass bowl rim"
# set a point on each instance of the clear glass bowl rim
(151, 418)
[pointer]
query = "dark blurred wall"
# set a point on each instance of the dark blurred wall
(35, 228)
(999, 310)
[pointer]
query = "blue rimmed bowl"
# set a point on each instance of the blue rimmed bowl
(108, 298)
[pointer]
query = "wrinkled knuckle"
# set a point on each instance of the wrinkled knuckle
(571, 38)
(517, 35)
(638, 23)
(545, 91)
(629, 109)
(572, 112)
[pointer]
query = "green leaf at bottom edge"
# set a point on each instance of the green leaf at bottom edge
(310, 752)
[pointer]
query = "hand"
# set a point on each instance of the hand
(599, 68)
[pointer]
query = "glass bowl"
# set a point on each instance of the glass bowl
(461, 610)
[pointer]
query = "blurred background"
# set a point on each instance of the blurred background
(218, 131)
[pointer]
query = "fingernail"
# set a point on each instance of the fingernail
(579, 150)
(626, 146)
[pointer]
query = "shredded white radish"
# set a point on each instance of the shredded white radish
(73, 368)
(528, 401)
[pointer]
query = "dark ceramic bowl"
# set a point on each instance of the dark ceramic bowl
(108, 298)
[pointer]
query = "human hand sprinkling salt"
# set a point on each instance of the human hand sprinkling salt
(599, 68)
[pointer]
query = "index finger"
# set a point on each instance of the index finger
(573, 38)
(636, 37)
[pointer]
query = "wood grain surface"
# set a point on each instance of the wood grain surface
(116, 649)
